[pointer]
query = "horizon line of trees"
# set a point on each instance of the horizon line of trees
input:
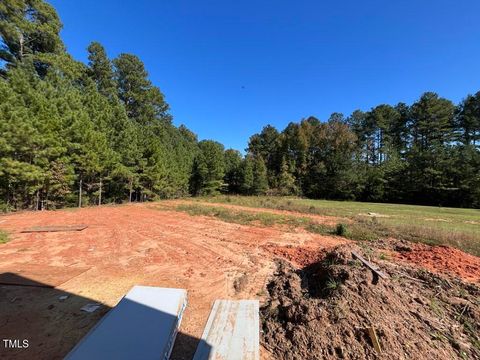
(427, 153)
(78, 134)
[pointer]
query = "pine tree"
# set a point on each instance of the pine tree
(143, 102)
(260, 180)
(29, 29)
(247, 176)
(233, 162)
(209, 168)
(286, 181)
(101, 70)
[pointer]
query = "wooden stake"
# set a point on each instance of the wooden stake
(373, 336)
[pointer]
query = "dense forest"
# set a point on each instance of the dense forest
(102, 132)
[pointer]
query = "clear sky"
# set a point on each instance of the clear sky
(228, 67)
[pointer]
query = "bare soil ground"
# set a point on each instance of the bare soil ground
(124, 246)
(142, 244)
(325, 310)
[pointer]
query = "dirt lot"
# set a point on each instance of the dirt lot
(124, 246)
(143, 244)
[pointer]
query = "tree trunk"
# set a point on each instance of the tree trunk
(130, 191)
(37, 201)
(80, 194)
(100, 193)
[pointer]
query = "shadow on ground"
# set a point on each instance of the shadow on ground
(51, 321)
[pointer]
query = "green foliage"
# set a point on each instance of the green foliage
(106, 127)
(208, 168)
(29, 30)
(233, 170)
(260, 181)
(143, 102)
(426, 153)
(3, 237)
(247, 175)
(286, 181)
(341, 229)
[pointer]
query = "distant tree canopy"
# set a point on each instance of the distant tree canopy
(426, 153)
(102, 130)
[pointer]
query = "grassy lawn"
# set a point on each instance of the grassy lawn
(432, 225)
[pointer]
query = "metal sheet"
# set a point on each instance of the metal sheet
(143, 325)
(232, 332)
(55, 228)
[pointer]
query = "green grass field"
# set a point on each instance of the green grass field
(432, 225)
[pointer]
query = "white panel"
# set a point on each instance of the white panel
(143, 325)
(232, 332)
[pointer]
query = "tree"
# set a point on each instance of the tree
(432, 121)
(429, 155)
(260, 180)
(467, 122)
(29, 29)
(267, 145)
(101, 70)
(330, 169)
(208, 168)
(143, 102)
(247, 177)
(233, 162)
(286, 181)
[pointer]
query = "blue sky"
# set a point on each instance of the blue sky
(228, 68)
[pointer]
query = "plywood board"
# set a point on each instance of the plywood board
(55, 228)
(38, 275)
(143, 325)
(232, 332)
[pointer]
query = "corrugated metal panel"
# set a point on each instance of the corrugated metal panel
(232, 332)
(143, 325)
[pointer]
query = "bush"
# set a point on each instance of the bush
(3, 237)
(341, 230)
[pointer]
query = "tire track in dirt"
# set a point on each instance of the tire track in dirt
(135, 244)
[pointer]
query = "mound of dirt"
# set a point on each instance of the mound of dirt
(327, 310)
(442, 259)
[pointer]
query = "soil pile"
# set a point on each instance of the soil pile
(327, 310)
(442, 259)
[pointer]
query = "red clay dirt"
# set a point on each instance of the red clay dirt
(125, 246)
(140, 245)
(443, 259)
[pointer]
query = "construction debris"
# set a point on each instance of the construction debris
(369, 265)
(373, 337)
(143, 325)
(232, 332)
(90, 307)
(55, 228)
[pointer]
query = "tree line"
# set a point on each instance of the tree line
(67, 128)
(102, 132)
(424, 153)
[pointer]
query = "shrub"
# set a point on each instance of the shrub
(341, 230)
